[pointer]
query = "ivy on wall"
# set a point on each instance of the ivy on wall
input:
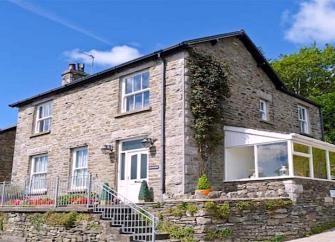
(209, 88)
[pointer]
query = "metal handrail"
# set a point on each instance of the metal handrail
(118, 201)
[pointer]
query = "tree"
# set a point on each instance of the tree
(311, 73)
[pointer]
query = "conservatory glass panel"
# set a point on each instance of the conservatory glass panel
(272, 160)
(332, 165)
(240, 163)
(301, 166)
(301, 148)
(319, 163)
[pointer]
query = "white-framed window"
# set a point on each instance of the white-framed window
(135, 92)
(303, 120)
(263, 110)
(79, 168)
(38, 174)
(43, 117)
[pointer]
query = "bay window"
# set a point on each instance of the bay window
(43, 117)
(135, 92)
(38, 175)
(79, 168)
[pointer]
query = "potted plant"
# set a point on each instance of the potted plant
(203, 186)
(144, 194)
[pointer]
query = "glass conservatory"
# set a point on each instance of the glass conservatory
(253, 154)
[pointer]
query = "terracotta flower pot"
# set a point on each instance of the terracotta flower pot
(204, 192)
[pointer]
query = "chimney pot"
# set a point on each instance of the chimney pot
(73, 73)
(72, 67)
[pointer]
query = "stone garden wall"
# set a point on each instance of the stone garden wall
(59, 227)
(253, 211)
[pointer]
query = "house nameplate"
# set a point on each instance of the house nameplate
(332, 193)
(156, 167)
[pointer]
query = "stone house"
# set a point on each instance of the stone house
(132, 122)
(7, 142)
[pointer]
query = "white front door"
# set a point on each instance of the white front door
(133, 169)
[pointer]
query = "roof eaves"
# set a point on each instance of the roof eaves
(7, 129)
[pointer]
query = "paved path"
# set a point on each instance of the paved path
(323, 237)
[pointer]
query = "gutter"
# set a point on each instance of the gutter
(162, 125)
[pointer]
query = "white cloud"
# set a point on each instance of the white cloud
(314, 21)
(112, 57)
(57, 19)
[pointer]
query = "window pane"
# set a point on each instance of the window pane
(39, 182)
(301, 148)
(332, 164)
(145, 80)
(138, 101)
(40, 112)
(144, 164)
(272, 160)
(301, 166)
(130, 103)
(122, 166)
(133, 167)
(129, 85)
(146, 99)
(132, 145)
(319, 163)
(137, 83)
(81, 158)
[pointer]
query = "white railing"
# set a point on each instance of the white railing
(84, 191)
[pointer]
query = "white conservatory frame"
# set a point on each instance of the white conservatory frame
(236, 137)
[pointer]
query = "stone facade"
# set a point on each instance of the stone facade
(7, 142)
(248, 84)
(89, 115)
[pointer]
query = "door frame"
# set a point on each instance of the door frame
(118, 174)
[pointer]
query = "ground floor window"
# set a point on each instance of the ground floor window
(79, 168)
(39, 169)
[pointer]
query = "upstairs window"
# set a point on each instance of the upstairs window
(263, 110)
(135, 92)
(303, 120)
(38, 175)
(43, 117)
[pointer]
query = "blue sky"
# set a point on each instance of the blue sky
(39, 38)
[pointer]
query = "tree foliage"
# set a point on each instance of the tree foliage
(311, 73)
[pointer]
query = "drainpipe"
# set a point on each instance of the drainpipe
(162, 124)
(322, 125)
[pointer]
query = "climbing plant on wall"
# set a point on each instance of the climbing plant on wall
(209, 88)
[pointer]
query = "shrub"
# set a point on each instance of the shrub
(203, 183)
(277, 203)
(191, 208)
(320, 228)
(144, 193)
(246, 205)
(219, 210)
(66, 220)
(221, 234)
(185, 234)
(223, 210)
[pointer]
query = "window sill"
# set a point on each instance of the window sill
(307, 135)
(120, 115)
(40, 134)
(266, 122)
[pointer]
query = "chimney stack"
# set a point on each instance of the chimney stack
(73, 73)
